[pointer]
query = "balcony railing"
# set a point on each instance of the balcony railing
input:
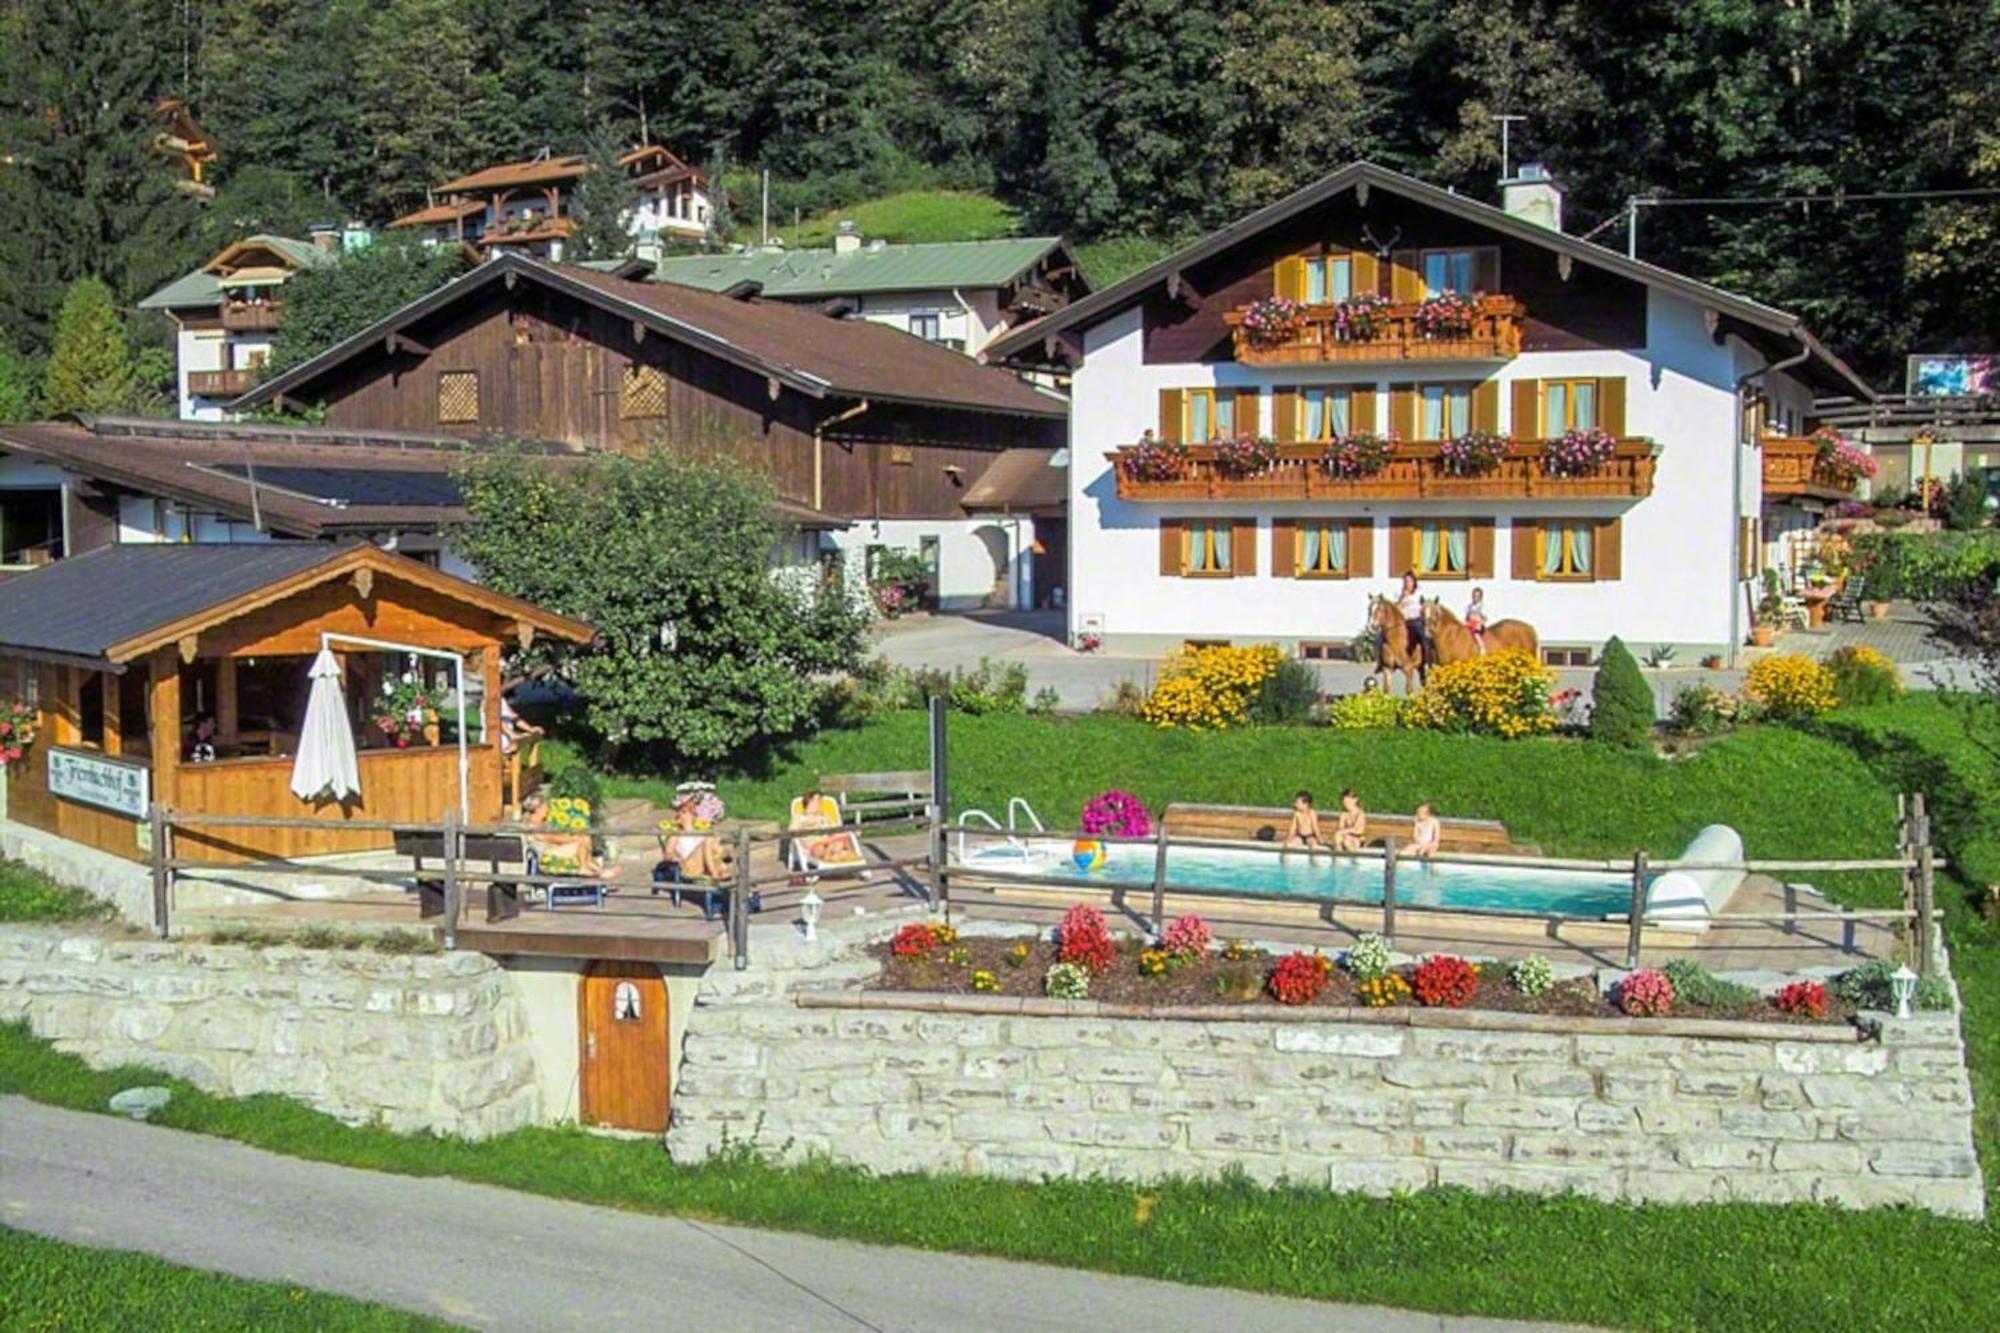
(1413, 472)
(250, 316)
(1794, 466)
(1494, 334)
(221, 383)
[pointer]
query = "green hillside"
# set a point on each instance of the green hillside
(911, 215)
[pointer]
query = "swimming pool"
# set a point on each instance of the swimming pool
(1320, 877)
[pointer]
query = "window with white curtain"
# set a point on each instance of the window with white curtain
(1322, 551)
(1566, 549)
(1568, 405)
(1325, 412)
(1444, 411)
(1207, 546)
(1443, 547)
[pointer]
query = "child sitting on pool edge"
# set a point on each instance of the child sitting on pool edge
(1353, 825)
(1305, 825)
(1425, 832)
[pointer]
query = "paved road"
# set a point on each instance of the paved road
(492, 1258)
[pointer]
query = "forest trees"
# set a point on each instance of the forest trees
(327, 305)
(90, 367)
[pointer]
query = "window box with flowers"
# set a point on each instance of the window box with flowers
(19, 723)
(1154, 459)
(1578, 453)
(406, 712)
(1838, 463)
(1273, 320)
(1473, 454)
(1361, 454)
(1446, 314)
(1245, 455)
(1361, 318)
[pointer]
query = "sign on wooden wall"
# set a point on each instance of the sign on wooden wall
(92, 779)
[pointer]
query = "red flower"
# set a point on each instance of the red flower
(1445, 982)
(1084, 938)
(913, 941)
(1807, 999)
(1299, 977)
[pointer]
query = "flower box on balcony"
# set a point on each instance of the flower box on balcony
(1406, 331)
(1410, 472)
(1799, 466)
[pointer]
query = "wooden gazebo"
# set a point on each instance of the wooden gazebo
(122, 653)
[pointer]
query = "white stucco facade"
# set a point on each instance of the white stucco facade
(965, 320)
(980, 562)
(1678, 583)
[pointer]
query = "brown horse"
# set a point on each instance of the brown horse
(1393, 651)
(1450, 641)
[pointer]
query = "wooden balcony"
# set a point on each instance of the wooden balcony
(1494, 335)
(251, 317)
(1414, 472)
(1793, 470)
(220, 383)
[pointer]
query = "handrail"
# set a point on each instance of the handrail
(981, 815)
(1026, 809)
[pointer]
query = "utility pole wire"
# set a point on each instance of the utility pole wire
(1837, 197)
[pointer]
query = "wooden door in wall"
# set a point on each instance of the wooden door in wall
(622, 1046)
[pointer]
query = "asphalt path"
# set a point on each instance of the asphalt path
(492, 1258)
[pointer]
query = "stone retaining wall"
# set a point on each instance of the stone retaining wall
(1362, 1100)
(420, 1042)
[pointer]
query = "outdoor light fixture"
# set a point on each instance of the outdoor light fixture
(1902, 985)
(809, 910)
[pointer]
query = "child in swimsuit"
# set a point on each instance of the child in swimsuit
(1353, 825)
(1424, 833)
(1305, 824)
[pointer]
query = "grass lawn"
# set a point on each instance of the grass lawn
(913, 215)
(1113, 258)
(29, 895)
(47, 1284)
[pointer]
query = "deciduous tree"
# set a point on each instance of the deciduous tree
(90, 366)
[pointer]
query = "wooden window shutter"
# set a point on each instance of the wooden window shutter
(1361, 408)
(1607, 554)
(1406, 279)
(1486, 406)
(1367, 272)
(1479, 548)
(1285, 413)
(1611, 405)
(1284, 547)
(1247, 403)
(1486, 269)
(1289, 278)
(1360, 548)
(1526, 421)
(1402, 547)
(1403, 411)
(458, 396)
(1525, 565)
(1243, 547)
(1170, 547)
(1170, 415)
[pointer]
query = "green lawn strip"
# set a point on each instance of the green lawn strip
(49, 1284)
(1710, 1267)
(911, 216)
(1115, 258)
(27, 894)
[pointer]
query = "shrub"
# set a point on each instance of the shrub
(1695, 984)
(1532, 976)
(1621, 700)
(1933, 993)
(1186, 937)
(1646, 994)
(1367, 711)
(1383, 991)
(1964, 506)
(1500, 694)
(1045, 702)
(913, 941)
(1924, 566)
(1867, 986)
(1288, 697)
(958, 956)
(1083, 938)
(1126, 699)
(1703, 710)
(579, 782)
(1863, 676)
(1117, 813)
(1789, 686)
(1443, 981)
(1807, 999)
(1067, 981)
(1368, 959)
(985, 982)
(1299, 977)
(1239, 982)
(996, 687)
(1210, 688)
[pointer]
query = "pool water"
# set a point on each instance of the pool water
(1323, 876)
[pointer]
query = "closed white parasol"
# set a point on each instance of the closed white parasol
(325, 766)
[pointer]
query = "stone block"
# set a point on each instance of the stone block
(1038, 1095)
(1380, 1177)
(1675, 1186)
(1554, 1081)
(720, 1052)
(1469, 1144)
(870, 1090)
(1605, 1118)
(1707, 1153)
(952, 1029)
(1342, 1141)
(1205, 1068)
(1756, 1123)
(1838, 1158)
(1852, 1092)
(1488, 1177)
(1588, 1150)
(1436, 1112)
(1929, 1061)
(1671, 1117)
(1437, 1074)
(1629, 1054)
(135, 1024)
(1826, 1058)
(1226, 1134)
(697, 1082)
(1871, 1127)
(1780, 1092)
(872, 1025)
(216, 1027)
(70, 1019)
(1115, 1067)
(1715, 1087)
(1331, 1039)
(1067, 1034)
(1492, 1047)
(781, 1025)
(80, 949)
(1170, 1036)
(999, 1062)
(367, 1086)
(1923, 1159)
(1018, 1162)
(1136, 1135)
(975, 1128)
(897, 1122)
(1519, 1113)
(1953, 1094)
(810, 1056)
(965, 1094)
(918, 1061)
(1369, 1111)
(1624, 1085)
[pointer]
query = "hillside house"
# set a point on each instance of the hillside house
(1375, 376)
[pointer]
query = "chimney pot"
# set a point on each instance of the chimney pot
(1533, 195)
(846, 238)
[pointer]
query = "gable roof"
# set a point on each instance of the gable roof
(816, 274)
(1021, 481)
(550, 169)
(203, 288)
(116, 603)
(1361, 176)
(807, 351)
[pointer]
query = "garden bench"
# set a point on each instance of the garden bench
(891, 794)
(503, 897)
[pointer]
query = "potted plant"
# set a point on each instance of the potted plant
(1877, 609)
(1770, 609)
(405, 713)
(1712, 662)
(18, 722)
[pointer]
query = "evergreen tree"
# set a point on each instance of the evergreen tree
(602, 204)
(1171, 121)
(422, 93)
(1621, 702)
(19, 392)
(323, 306)
(90, 366)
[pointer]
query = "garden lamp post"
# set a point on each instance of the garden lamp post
(1903, 985)
(809, 910)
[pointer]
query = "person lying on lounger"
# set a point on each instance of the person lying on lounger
(1304, 831)
(1425, 832)
(815, 811)
(693, 854)
(1353, 825)
(560, 853)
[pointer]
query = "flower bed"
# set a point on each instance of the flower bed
(1136, 971)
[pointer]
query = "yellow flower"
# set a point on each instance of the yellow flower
(1791, 685)
(1203, 688)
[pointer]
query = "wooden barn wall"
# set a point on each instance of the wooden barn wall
(1594, 309)
(553, 367)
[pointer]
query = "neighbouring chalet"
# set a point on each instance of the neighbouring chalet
(963, 294)
(118, 652)
(182, 141)
(1363, 342)
(526, 206)
(226, 313)
(875, 432)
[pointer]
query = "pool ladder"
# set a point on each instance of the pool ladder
(1019, 810)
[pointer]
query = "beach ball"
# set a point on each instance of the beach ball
(1088, 854)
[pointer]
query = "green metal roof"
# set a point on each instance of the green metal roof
(200, 288)
(815, 274)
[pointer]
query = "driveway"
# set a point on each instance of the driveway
(492, 1258)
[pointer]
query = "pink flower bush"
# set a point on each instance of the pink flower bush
(1646, 993)
(1084, 939)
(1472, 454)
(1245, 455)
(1186, 937)
(1578, 453)
(1360, 317)
(1274, 319)
(1118, 814)
(1362, 454)
(1446, 314)
(1154, 460)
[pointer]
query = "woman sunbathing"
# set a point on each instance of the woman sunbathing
(814, 811)
(695, 854)
(1353, 825)
(560, 853)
